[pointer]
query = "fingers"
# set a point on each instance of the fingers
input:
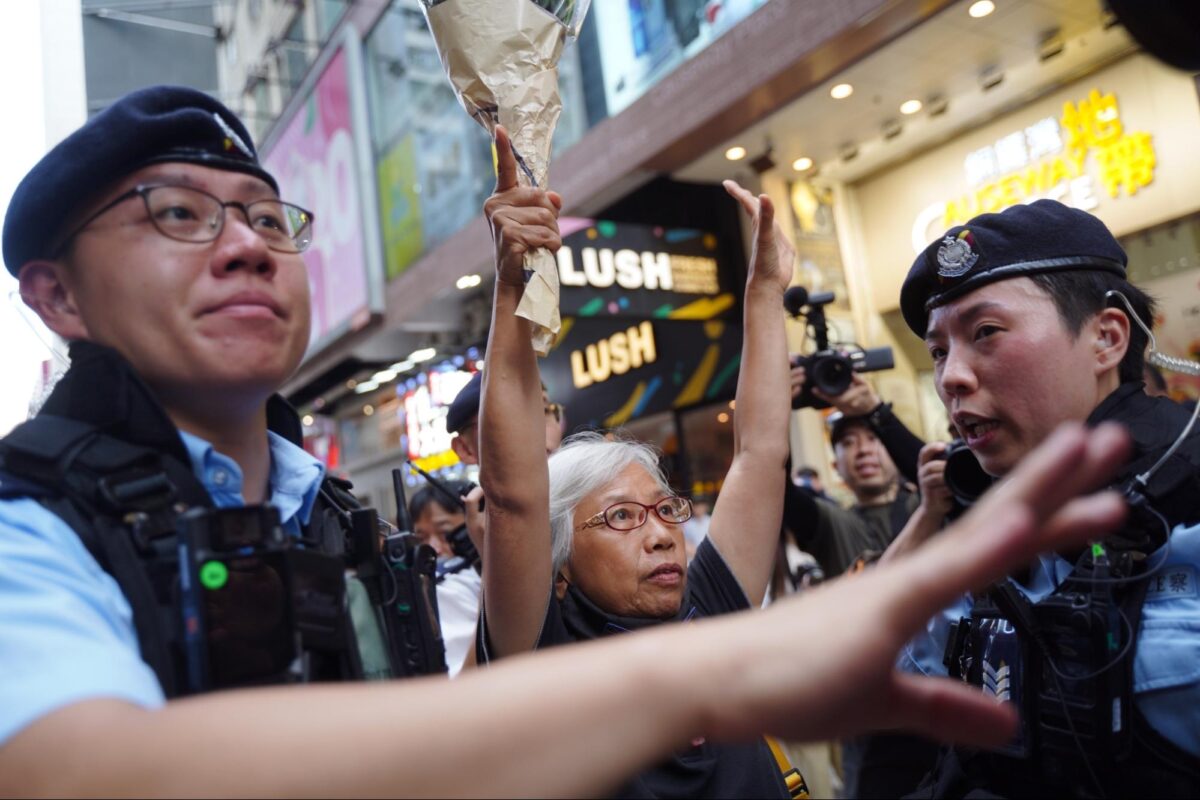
(766, 221)
(506, 162)
(931, 452)
(949, 711)
(747, 200)
(1069, 462)
(1013, 523)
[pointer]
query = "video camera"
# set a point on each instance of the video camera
(827, 369)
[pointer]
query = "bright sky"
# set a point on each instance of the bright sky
(21, 350)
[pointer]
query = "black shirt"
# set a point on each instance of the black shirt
(705, 769)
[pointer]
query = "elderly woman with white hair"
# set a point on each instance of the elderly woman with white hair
(592, 543)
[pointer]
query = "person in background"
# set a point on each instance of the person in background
(435, 516)
(808, 479)
(835, 536)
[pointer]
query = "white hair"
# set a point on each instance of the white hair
(586, 463)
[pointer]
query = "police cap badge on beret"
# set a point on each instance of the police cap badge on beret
(150, 126)
(1044, 236)
(465, 406)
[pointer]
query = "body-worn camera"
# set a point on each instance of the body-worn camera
(828, 369)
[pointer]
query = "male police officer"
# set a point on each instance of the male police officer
(1020, 317)
(153, 239)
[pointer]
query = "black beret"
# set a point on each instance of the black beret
(1044, 236)
(466, 405)
(149, 126)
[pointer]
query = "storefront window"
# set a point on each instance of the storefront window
(1165, 262)
(708, 448)
(433, 162)
(642, 41)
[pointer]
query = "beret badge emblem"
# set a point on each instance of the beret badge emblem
(956, 257)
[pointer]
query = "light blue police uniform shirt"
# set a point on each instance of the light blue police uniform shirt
(66, 630)
(1166, 668)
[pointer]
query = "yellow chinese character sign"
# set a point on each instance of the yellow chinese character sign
(1126, 160)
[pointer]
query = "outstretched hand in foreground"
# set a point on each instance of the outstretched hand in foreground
(821, 665)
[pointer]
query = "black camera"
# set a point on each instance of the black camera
(827, 369)
(964, 475)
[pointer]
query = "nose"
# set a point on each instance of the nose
(659, 535)
(957, 377)
(239, 248)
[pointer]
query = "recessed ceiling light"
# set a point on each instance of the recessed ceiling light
(801, 164)
(981, 8)
(910, 106)
(735, 153)
(468, 281)
(841, 91)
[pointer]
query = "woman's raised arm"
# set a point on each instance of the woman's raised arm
(749, 510)
(517, 578)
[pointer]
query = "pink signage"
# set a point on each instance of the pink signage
(314, 162)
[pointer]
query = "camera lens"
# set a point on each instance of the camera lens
(964, 476)
(831, 373)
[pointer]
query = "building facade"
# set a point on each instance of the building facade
(951, 108)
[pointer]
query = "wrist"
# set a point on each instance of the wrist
(880, 414)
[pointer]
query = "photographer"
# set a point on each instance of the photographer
(1030, 322)
(836, 537)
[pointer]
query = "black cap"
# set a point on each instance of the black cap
(1044, 236)
(837, 423)
(465, 406)
(150, 126)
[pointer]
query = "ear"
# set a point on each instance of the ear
(45, 290)
(1112, 339)
(464, 448)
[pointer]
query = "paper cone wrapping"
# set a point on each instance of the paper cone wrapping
(502, 58)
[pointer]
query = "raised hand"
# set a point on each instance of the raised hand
(773, 255)
(521, 218)
(830, 673)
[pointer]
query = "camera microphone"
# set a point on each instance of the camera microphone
(795, 299)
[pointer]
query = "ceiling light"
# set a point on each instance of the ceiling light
(735, 153)
(366, 386)
(384, 376)
(368, 410)
(910, 106)
(990, 78)
(841, 91)
(350, 384)
(468, 281)
(801, 164)
(402, 366)
(308, 420)
(1051, 45)
(419, 356)
(722, 417)
(981, 8)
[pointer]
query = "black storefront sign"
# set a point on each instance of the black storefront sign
(618, 269)
(609, 371)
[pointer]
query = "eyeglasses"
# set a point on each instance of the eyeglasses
(554, 410)
(193, 215)
(631, 515)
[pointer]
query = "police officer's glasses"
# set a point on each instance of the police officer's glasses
(631, 515)
(193, 215)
